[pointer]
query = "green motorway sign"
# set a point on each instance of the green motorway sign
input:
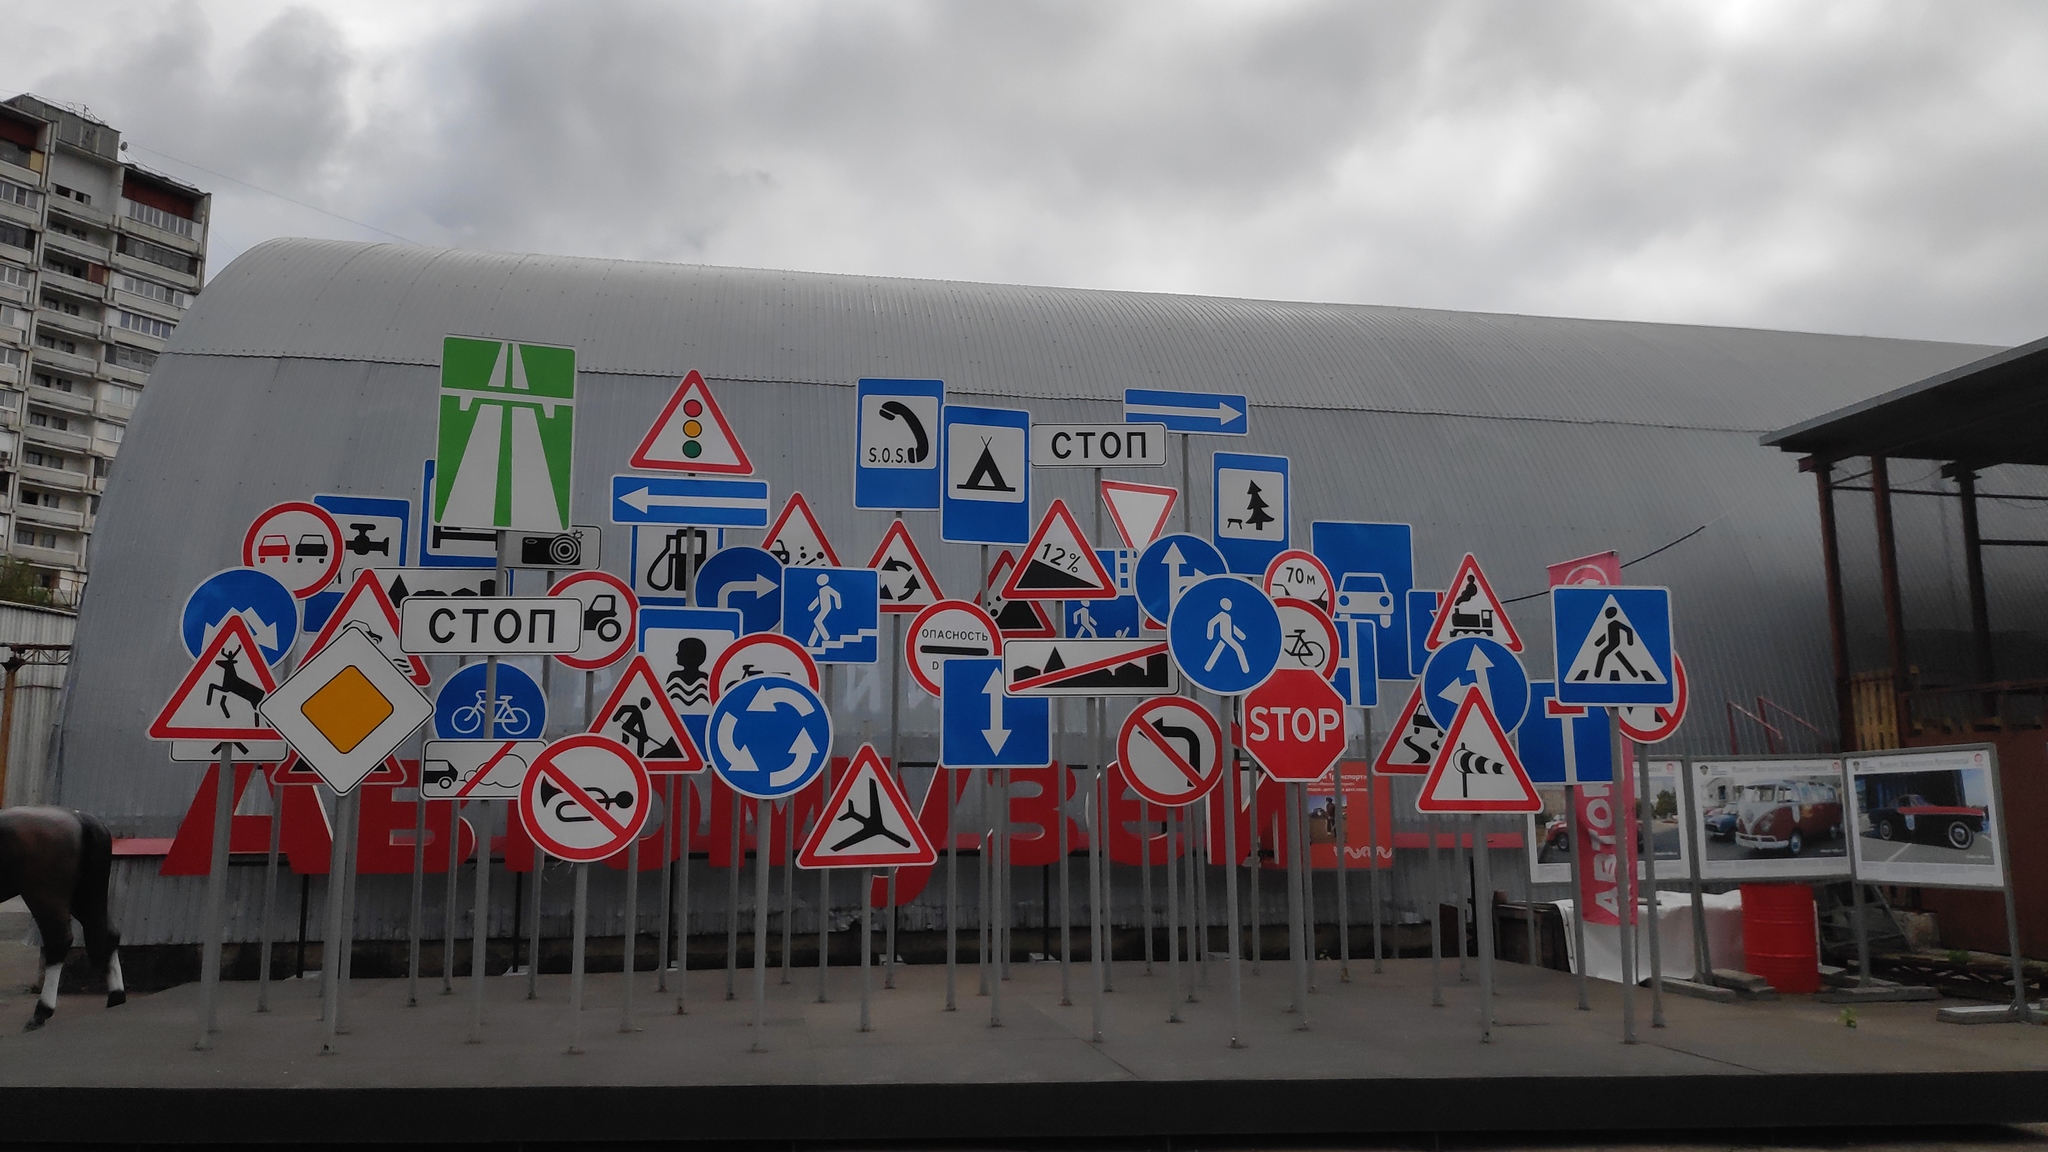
(508, 419)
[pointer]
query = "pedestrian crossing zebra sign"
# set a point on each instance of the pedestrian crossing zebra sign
(1612, 645)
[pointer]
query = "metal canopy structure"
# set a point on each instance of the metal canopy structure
(1977, 415)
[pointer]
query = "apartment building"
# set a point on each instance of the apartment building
(99, 258)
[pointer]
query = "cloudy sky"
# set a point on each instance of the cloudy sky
(1846, 166)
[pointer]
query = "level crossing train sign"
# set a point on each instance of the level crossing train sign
(987, 497)
(867, 823)
(691, 435)
(297, 542)
(1249, 513)
(1225, 635)
(747, 580)
(797, 539)
(1613, 645)
(1470, 608)
(769, 737)
(346, 708)
(1172, 751)
(907, 583)
(639, 716)
(896, 436)
(945, 631)
(1059, 564)
(584, 798)
(506, 437)
(1476, 770)
(1139, 511)
(1193, 413)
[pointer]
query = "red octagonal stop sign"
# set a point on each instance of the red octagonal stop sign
(1294, 725)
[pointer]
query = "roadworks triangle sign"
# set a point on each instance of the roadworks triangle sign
(1139, 511)
(1022, 619)
(1412, 745)
(907, 583)
(219, 697)
(1471, 609)
(867, 823)
(796, 538)
(1476, 771)
(1059, 564)
(691, 435)
(638, 715)
(368, 605)
(1612, 652)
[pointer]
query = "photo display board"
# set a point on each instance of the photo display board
(1549, 839)
(1770, 818)
(1927, 816)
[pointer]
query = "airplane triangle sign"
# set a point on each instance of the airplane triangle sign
(1471, 609)
(1476, 771)
(907, 583)
(1612, 653)
(691, 435)
(639, 716)
(1019, 619)
(796, 538)
(867, 823)
(1059, 564)
(219, 697)
(1139, 511)
(369, 605)
(1412, 745)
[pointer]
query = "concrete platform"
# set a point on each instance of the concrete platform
(1376, 1057)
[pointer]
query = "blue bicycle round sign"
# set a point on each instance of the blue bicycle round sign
(768, 736)
(521, 712)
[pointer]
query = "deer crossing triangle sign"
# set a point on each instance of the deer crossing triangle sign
(507, 431)
(868, 823)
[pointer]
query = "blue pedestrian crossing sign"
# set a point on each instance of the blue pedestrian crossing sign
(769, 736)
(1613, 645)
(1358, 670)
(1563, 744)
(1170, 566)
(1225, 635)
(1195, 413)
(1248, 516)
(834, 613)
(896, 437)
(987, 496)
(982, 728)
(748, 580)
(1475, 662)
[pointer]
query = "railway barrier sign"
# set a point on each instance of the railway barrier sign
(1656, 723)
(867, 822)
(1412, 742)
(345, 709)
(1613, 645)
(503, 451)
(443, 546)
(1086, 668)
(1059, 564)
(1170, 566)
(1294, 725)
(896, 430)
(607, 616)
(1019, 618)
(705, 502)
(797, 539)
(1476, 771)
(374, 532)
(947, 630)
(762, 654)
(981, 727)
(639, 716)
(1307, 638)
(297, 542)
(494, 626)
(691, 435)
(221, 698)
(907, 583)
(1562, 743)
(1098, 445)
(1298, 575)
(1172, 751)
(521, 712)
(834, 613)
(1249, 509)
(1194, 413)
(747, 580)
(580, 549)
(1225, 635)
(476, 769)
(1139, 511)
(584, 799)
(769, 737)
(1357, 678)
(1374, 566)
(987, 497)
(366, 605)
(1475, 662)
(1470, 608)
(258, 599)
(682, 646)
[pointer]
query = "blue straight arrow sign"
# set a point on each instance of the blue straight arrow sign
(689, 500)
(1197, 413)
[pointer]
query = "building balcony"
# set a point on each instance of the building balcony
(106, 409)
(72, 245)
(64, 361)
(64, 282)
(79, 326)
(14, 294)
(20, 175)
(58, 398)
(140, 267)
(62, 479)
(65, 438)
(133, 302)
(123, 374)
(49, 557)
(63, 518)
(16, 214)
(91, 214)
(136, 339)
(194, 244)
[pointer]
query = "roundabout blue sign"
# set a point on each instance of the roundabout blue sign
(768, 736)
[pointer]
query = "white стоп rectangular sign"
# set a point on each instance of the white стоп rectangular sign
(489, 626)
(1098, 445)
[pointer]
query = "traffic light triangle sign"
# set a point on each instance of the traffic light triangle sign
(907, 583)
(1058, 563)
(868, 823)
(369, 605)
(1139, 511)
(1412, 745)
(797, 539)
(1476, 771)
(1023, 619)
(228, 682)
(639, 716)
(691, 435)
(1470, 608)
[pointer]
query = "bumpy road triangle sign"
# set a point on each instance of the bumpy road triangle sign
(1023, 619)
(691, 435)
(907, 583)
(1612, 652)
(1471, 609)
(868, 823)
(639, 716)
(367, 604)
(1476, 771)
(219, 697)
(1411, 746)
(1139, 511)
(796, 538)
(1059, 564)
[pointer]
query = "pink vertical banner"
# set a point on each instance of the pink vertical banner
(1607, 845)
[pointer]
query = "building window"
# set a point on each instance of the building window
(158, 218)
(158, 254)
(10, 399)
(71, 193)
(37, 498)
(75, 231)
(11, 357)
(16, 236)
(59, 304)
(162, 293)
(57, 344)
(147, 325)
(55, 383)
(111, 432)
(13, 317)
(13, 275)
(14, 153)
(69, 267)
(12, 193)
(49, 420)
(139, 359)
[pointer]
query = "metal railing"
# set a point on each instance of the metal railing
(1776, 741)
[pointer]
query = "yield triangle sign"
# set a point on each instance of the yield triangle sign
(1059, 564)
(1023, 619)
(1612, 652)
(691, 435)
(1471, 609)
(1476, 770)
(796, 539)
(907, 583)
(1139, 511)
(219, 697)
(867, 823)
(639, 716)
(368, 605)
(1411, 747)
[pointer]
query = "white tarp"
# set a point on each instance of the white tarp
(1674, 937)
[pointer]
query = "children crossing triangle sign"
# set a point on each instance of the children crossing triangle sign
(638, 715)
(867, 823)
(368, 605)
(1470, 608)
(906, 581)
(507, 428)
(221, 697)
(1059, 564)
(691, 435)
(1475, 770)
(796, 539)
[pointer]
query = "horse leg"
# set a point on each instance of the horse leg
(54, 923)
(89, 906)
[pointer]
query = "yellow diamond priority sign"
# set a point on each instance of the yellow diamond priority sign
(346, 709)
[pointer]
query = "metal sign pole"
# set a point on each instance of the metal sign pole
(1461, 877)
(216, 895)
(1625, 844)
(1196, 889)
(734, 857)
(1006, 878)
(825, 878)
(896, 771)
(547, 693)
(480, 920)
(998, 905)
(1436, 920)
(631, 935)
(1061, 774)
(686, 820)
(945, 780)
(1297, 931)
(2020, 1008)
(1308, 894)
(1145, 879)
(270, 889)
(985, 871)
(1649, 825)
(867, 941)
(764, 821)
(582, 925)
(1251, 876)
(1098, 831)
(1343, 873)
(1372, 851)
(664, 841)
(1173, 823)
(330, 988)
(417, 921)
(1230, 864)
(353, 802)
(1482, 864)
(1572, 793)
(1100, 720)
(788, 883)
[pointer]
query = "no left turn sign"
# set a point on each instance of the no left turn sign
(584, 799)
(1172, 750)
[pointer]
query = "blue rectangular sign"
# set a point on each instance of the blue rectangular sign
(987, 497)
(1196, 413)
(897, 451)
(689, 500)
(982, 728)
(1358, 672)
(374, 532)
(1374, 567)
(450, 547)
(834, 613)
(1612, 645)
(682, 646)
(1564, 750)
(1422, 606)
(1248, 510)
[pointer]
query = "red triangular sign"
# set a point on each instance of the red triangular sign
(292, 770)
(691, 435)
(219, 697)
(638, 715)
(868, 823)
(1411, 746)
(796, 538)
(907, 583)
(1476, 770)
(369, 605)
(1469, 608)
(1139, 511)
(1022, 619)
(1059, 564)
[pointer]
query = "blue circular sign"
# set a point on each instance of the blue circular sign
(768, 736)
(748, 579)
(522, 712)
(1460, 665)
(1171, 565)
(258, 597)
(1225, 635)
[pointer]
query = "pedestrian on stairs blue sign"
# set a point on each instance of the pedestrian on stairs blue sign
(1613, 645)
(834, 613)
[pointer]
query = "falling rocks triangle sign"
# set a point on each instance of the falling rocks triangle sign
(906, 581)
(797, 539)
(691, 435)
(1059, 564)
(639, 716)
(1470, 608)
(1476, 771)
(1023, 619)
(1139, 511)
(868, 823)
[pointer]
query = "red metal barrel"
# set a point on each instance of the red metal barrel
(1778, 936)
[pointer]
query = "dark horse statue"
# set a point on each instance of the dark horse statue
(58, 862)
